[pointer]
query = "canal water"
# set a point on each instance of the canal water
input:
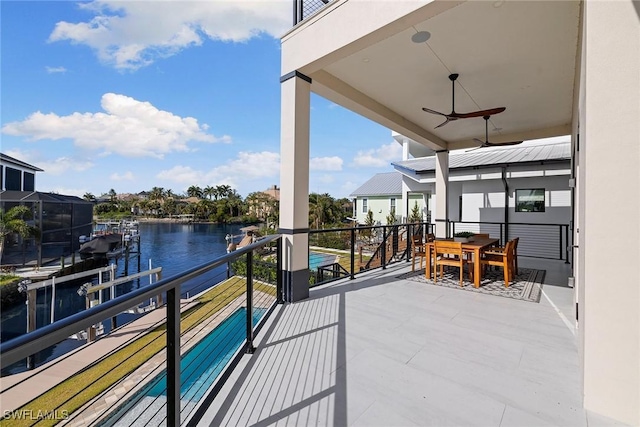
(172, 246)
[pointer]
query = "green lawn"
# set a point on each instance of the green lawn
(345, 257)
(7, 279)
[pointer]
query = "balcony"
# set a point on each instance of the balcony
(379, 350)
(375, 350)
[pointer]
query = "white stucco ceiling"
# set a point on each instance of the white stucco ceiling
(515, 54)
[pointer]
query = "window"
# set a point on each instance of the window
(530, 200)
(393, 204)
(365, 206)
(29, 182)
(14, 179)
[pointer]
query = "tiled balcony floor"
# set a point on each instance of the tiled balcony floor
(389, 352)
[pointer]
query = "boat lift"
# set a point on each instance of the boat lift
(89, 290)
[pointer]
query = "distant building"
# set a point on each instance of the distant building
(263, 203)
(528, 183)
(273, 191)
(16, 175)
(61, 219)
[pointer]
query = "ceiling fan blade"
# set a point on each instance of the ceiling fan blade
(474, 149)
(428, 110)
(502, 144)
(449, 119)
(480, 113)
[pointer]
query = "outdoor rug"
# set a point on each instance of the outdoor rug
(526, 286)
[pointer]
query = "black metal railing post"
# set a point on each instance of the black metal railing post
(173, 357)
(279, 275)
(352, 270)
(560, 241)
(566, 241)
(249, 349)
(501, 240)
(384, 247)
(409, 242)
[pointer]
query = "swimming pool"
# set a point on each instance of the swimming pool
(199, 368)
(318, 259)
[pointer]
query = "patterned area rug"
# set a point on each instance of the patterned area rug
(527, 284)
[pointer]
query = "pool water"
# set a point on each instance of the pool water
(199, 368)
(318, 259)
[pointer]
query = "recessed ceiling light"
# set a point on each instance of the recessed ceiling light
(365, 60)
(421, 37)
(498, 3)
(497, 129)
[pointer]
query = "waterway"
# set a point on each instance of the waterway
(172, 246)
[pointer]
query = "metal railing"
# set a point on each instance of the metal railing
(360, 249)
(302, 9)
(548, 241)
(23, 346)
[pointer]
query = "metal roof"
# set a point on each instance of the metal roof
(492, 157)
(381, 184)
(34, 196)
(9, 159)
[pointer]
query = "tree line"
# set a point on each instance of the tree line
(221, 204)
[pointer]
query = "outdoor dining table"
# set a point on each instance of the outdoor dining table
(475, 247)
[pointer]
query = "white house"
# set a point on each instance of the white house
(551, 68)
(381, 195)
(16, 175)
(527, 183)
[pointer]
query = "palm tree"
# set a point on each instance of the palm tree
(89, 197)
(210, 191)
(224, 190)
(156, 193)
(13, 221)
(112, 195)
(195, 191)
(203, 209)
(233, 201)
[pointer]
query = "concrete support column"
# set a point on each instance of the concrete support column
(294, 184)
(442, 194)
(609, 299)
(405, 211)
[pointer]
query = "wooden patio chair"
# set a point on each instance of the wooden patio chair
(501, 257)
(418, 251)
(449, 253)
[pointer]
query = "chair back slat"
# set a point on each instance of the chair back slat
(448, 247)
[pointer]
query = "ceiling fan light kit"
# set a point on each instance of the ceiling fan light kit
(455, 116)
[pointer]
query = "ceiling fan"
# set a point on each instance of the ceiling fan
(455, 116)
(486, 143)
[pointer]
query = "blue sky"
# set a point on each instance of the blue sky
(132, 95)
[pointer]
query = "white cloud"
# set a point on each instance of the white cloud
(127, 176)
(325, 163)
(52, 70)
(57, 166)
(130, 35)
(247, 166)
(129, 127)
(379, 157)
(182, 174)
